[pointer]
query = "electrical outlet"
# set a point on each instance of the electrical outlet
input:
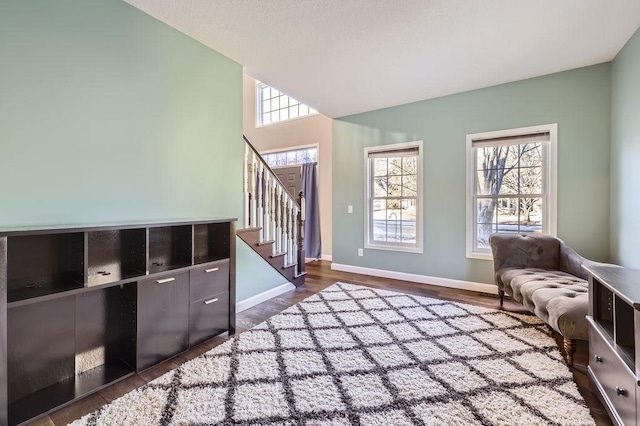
(349, 209)
(360, 252)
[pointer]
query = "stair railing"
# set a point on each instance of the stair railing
(269, 206)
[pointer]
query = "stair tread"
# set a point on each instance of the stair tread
(301, 274)
(264, 243)
(290, 265)
(282, 253)
(243, 230)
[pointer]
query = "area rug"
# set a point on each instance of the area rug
(354, 355)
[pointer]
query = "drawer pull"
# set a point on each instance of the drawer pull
(208, 302)
(165, 280)
(598, 358)
(620, 391)
(211, 270)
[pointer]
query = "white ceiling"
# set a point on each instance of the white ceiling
(348, 56)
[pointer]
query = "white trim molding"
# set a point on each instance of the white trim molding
(326, 257)
(252, 301)
(368, 197)
(549, 184)
(422, 279)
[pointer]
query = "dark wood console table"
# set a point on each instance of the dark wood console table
(84, 307)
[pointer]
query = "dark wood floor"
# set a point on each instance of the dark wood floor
(319, 276)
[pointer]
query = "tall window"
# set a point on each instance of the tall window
(511, 185)
(291, 157)
(394, 197)
(274, 106)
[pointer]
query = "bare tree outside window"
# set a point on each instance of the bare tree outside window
(509, 188)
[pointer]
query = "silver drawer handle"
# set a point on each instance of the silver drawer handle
(165, 280)
(208, 302)
(211, 270)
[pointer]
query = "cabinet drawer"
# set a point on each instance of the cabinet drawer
(618, 382)
(212, 278)
(208, 318)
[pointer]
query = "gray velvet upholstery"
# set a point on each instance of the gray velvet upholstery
(547, 277)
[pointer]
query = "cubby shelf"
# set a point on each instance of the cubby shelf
(81, 305)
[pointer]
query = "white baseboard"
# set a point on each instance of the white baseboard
(252, 301)
(326, 257)
(422, 279)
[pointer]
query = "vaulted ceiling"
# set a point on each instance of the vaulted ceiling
(349, 56)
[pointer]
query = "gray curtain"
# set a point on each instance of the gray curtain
(312, 244)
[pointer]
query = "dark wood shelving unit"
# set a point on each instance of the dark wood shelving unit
(614, 340)
(170, 248)
(80, 306)
(211, 242)
(116, 255)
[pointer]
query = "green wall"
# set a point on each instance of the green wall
(578, 100)
(625, 155)
(108, 115)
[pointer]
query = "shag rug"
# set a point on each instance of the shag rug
(354, 355)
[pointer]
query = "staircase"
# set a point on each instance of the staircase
(273, 220)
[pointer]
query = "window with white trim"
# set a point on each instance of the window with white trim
(511, 185)
(292, 157)
(393, 198)
(274, 106)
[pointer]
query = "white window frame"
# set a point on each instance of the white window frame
(368, 243)
(549, 183)
(292, 148)
(259, 106)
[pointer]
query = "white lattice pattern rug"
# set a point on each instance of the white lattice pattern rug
(363, 356)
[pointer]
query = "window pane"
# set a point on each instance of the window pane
(275, 116)
(408, 217)
(284, 101)
(303, 110)
(484, 230)
(379, 216)
(282, 158)
(507, 215)
(291, 157)
(275, 104)
(410, 165)
(495, 182)
(380, 166)
(395, 166)
(394, 224)
(266, 118)
(409, 186)
(380, 184)
(266, 106)
(395, 186)
(531, 180)
(293, 111)
(266, 92)
(530, 216)
(284, 114)
(313, 155)
(485, 220)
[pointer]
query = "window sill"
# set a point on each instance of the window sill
(480, 256)
(418, 250)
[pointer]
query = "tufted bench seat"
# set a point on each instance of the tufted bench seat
(547, 277)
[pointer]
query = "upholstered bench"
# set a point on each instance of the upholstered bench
(546, 276)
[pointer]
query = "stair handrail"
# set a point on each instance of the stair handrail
(289, 219)
(270, 170)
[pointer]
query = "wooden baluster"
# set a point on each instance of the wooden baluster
(267, 205)
(259, 195)
(246, 195)
(253, 181)
(273, 213)
(301, 217)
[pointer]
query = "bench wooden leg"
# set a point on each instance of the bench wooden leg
(570, 349)
(501, 295)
